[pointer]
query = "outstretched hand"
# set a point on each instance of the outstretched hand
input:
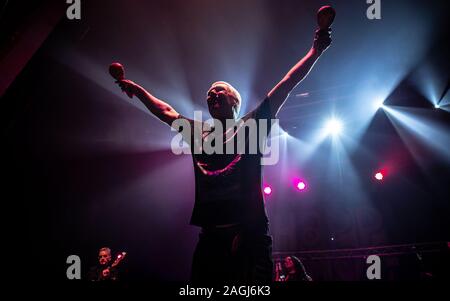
(127, 86)
(322, 40)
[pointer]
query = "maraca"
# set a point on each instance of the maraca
(118, 73)
(325, 17)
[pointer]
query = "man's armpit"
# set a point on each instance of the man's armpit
(183, 126)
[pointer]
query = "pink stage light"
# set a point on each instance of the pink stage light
(301, 185)
(379, 176)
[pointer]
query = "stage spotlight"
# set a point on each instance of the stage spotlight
(267, 190)
(437, 106)
(301, 185)
(379, 176)
(333, 127)
(378, 104)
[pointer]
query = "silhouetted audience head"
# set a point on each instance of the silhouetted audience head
(295, 270)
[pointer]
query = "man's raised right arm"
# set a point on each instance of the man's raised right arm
(156, 106)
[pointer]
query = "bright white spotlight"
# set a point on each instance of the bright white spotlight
(378, 104)
(437, 106)
(333, 127)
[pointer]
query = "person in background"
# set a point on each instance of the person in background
(104, 270)
(293, 270)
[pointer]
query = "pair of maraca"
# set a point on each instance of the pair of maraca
(325, 17)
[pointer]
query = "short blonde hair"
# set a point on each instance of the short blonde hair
(233, 92)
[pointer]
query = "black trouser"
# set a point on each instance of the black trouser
(233, 254)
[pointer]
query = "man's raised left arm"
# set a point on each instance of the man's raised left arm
(280, 92)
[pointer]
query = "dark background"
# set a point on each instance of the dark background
(85, 167)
